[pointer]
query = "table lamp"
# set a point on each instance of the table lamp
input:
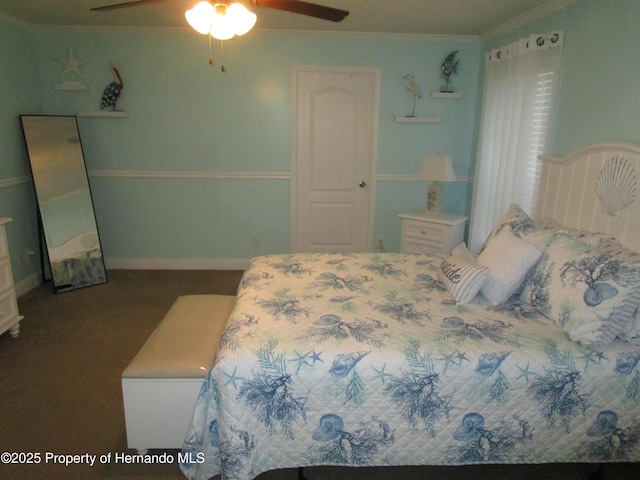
(436, 169)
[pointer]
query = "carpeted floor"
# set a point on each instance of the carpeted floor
(60, 388)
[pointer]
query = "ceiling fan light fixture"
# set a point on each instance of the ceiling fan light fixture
(243, 19)
(221, 21)
(199, 17)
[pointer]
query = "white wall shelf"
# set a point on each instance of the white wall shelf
(418, 119)
(446, 95)
(102, 113)
(71, 86)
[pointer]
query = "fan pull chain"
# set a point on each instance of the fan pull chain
(210, 52)
(221, 55)
(211, 62)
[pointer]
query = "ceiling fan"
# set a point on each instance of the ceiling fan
(294, 6)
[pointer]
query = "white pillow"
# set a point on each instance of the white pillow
(462, 275)
(508, 259)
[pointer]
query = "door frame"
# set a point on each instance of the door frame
(377, 73)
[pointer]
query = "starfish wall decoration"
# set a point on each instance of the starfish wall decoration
(71, 70)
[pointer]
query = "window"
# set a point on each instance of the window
(518, 99)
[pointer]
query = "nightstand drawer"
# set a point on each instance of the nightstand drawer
(427, 231)
(433, 234)
(410, 245)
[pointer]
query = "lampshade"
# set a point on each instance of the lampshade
(437, 168)
(220, 20)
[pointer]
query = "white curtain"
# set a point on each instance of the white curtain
(520, 81)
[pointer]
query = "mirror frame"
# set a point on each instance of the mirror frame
(75, 257)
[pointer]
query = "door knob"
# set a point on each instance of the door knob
(362, 184)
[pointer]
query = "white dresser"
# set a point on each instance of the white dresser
(434, 234)
(9, 317)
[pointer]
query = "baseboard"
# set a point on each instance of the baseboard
(176, 263)
(27, 284)
(32, 281)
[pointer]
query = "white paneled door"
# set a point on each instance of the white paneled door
(333, 158)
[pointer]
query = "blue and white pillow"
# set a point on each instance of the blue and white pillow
(461, 274)
(591, 293)
(521, 226)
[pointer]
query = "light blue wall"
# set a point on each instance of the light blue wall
(189, 117)
(19, 86)
(186, 116)
(599, 96)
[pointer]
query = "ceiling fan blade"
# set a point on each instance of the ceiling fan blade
(137, 3)
(304, 8)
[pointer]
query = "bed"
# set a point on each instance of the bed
(402, 359)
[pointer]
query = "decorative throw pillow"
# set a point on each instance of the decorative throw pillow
(589, 293)
(462, 275)
(522, 226)
(508, 259)
(593, 239)
(631, 331)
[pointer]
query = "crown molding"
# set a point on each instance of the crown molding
(389, 36)
(128, 30)
(533, 14)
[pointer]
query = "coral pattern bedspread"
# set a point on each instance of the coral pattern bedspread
(364, 359)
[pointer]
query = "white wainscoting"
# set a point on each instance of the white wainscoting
(126, 263)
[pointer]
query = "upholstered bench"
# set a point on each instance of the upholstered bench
(161, 384)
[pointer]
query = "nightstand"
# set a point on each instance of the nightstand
(434, 234)
(9, 318)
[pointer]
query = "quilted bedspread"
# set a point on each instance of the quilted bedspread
(364, 359)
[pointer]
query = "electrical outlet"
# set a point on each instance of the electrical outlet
(26, 257)
(380, 245)
(255, 241)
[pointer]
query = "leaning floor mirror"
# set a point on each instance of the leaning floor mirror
(64, 201)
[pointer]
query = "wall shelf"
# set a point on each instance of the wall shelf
(71, 86)
(102, 113)
(446, 95)
(418, 119)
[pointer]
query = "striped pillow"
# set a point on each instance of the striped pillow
(462, 275)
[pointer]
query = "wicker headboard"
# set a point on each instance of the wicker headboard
(595, 189)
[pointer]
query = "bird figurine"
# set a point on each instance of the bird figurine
(448, 68)
(112, 91)
(414, 89)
